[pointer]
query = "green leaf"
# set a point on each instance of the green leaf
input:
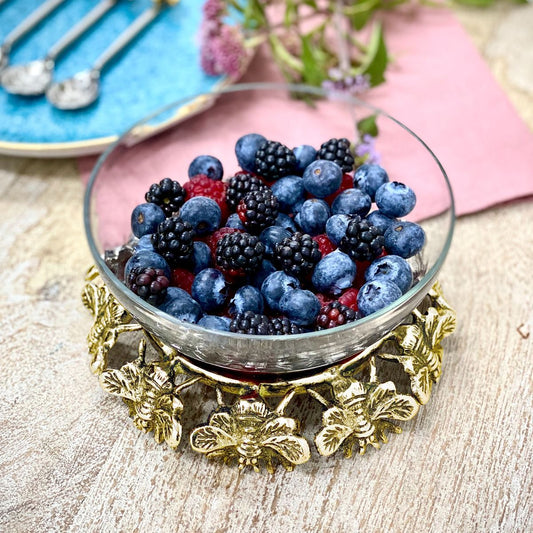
(314, 72)
(368, 126)
(359, 20)
(375, 62)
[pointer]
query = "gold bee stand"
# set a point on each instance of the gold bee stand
(361, 397)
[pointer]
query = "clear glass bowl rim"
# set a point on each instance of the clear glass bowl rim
(117, 285)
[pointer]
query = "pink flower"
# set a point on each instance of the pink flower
(213, 9)
(221, 49)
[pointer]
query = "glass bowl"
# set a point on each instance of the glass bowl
(125, 171)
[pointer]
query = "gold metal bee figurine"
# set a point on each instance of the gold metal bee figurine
(362, 405)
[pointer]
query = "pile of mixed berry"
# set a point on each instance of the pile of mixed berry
(288, 244)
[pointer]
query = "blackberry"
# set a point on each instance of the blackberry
(239, 253)
(148, 283)
(363, 241)
(174, 241)
(258, 210)
(168, 194)
(283, 326)
(297, 255)
(338, 151)
(240, 185)
(251, 323)
(334, 314)
(274, 160)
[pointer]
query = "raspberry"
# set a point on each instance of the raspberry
(183, 279)
(323, 299)
(297, 255)
(168, 194)
(213, 239)
(274, 160)
(254, 324)
(174, 241)
(240, 185)
(349, 298)
(324, 244)
(201, 185)
(363, 241)
(347, 183)
(337, 151)
(148, 283)
(333, 315)
(258, 210)
(239, 254)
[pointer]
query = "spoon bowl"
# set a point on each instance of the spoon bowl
(30, 79)
(79, 91)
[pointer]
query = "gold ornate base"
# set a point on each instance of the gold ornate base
(360, 399)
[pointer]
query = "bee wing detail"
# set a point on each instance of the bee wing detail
(281, 424)
(207, 439)
(329, 438)
(166, 428)
(334, 416)
(294, 449)
(123, 382)
(223, 421)
(438, 325)
(385, 403)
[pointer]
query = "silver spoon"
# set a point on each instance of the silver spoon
(33, 78)
(37, 16)
(84, 87)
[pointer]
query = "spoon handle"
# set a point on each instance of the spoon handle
(30, 22)
(136, 27)
(80, 28)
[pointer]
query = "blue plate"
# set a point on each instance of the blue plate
(161, 66)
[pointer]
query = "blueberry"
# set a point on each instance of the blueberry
(289, 191)
(404, 239)
(220, 323)
(376, 295)
(201, 256)
(395, 199)
(369, 178)
(322, 178)
(247, 298)
(285, 221)
(305, 155)
(234, 221)
(271, 236)
(336, 228)
(391, 268)
(299, 306)
(275, 286)
(334, 273)
(313, 216)
(297, 207)
(202, 213)
(145, 219)
(181, 305)
(351, 202)
(145, 244)
(245, 150)
(208, 165)
(145, 259)
(209, 289)
(381, 221)
(258, 277)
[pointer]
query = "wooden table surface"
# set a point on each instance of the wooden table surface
(71, 460)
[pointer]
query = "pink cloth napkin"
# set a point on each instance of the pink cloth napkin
(438, 85)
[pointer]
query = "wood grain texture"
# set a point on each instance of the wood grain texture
(71, 460)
